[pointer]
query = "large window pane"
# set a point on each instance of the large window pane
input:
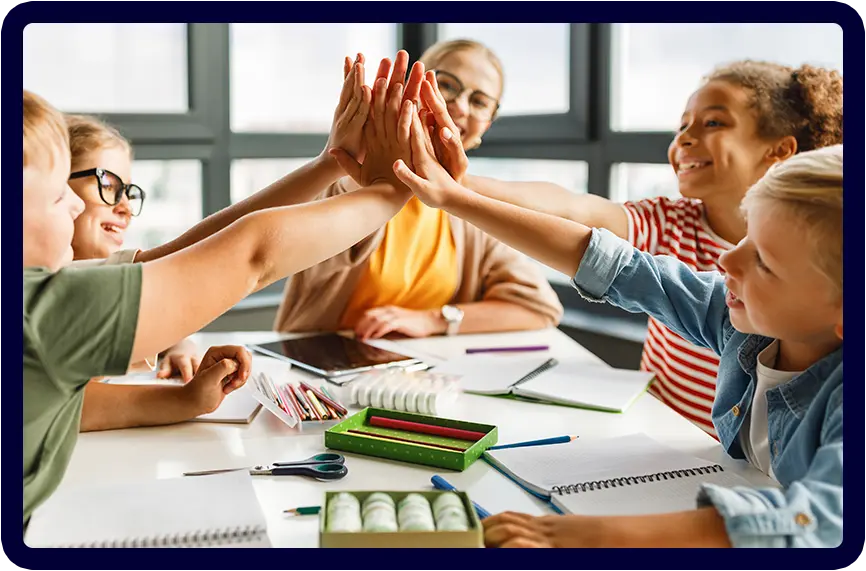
(287, 77)
(172, 205)
(568, 174)
(535, 58)
(637, 181)
(252, 175)
(108, 68)
(657, 66)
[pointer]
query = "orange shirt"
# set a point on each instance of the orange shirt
(414, 267)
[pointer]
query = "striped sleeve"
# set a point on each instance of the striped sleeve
(649, 222)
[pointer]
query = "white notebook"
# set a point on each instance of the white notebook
(203, 511)
(569, 383)
(627, 475)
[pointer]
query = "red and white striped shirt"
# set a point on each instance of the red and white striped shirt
(685, 373)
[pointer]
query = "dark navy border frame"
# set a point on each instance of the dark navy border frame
(12, 63)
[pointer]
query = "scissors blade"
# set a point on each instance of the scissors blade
(207, 472)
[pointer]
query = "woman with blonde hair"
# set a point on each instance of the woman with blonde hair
(426, 272)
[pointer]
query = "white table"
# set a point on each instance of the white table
(168, 451)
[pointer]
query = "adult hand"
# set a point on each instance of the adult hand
(223, 370)
(182, 359)
(380, 321)
(347, 127)
(445, 135)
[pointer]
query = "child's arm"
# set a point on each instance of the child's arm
(806, 513)
(546, 197)
(185, 291)
(108, 407)
(303, 184)
(610, 269)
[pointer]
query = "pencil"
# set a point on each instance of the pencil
(309, 510)
(319, 408)
(408, 441)
(409, 426)
(303, 402)
(291, 407)
(543, 442)
(325, 399)
(296, 404)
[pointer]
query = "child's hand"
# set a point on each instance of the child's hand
(182, 359)
(347, 128)
(222, 370)
(446, 135)
(386, 133)
(430, 182)
(511, 529)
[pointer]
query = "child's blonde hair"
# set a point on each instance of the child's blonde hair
(810, 184)
(44, 131)
(434, 55)
(88, 134)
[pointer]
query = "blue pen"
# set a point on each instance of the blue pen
(440, 484)
(557, 440)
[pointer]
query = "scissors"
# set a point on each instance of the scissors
(324, 466)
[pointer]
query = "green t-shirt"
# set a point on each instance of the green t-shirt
(78, 323)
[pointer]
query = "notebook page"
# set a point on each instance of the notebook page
(587, 385)
(590, 460)
(657, 497)
(172, 507)
(490, 374)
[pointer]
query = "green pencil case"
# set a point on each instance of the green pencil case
(338, 438)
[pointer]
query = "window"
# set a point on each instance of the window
(251, 175)
(108, 68)
(637, 181)
(172, 205)
(287, 77)
(657, 66)
(568, 174)
(535, 58)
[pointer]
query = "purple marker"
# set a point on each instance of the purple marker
(507, 349)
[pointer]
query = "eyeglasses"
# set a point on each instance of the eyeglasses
(481, 106)
(112, 189)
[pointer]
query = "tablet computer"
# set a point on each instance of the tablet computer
(332, 355)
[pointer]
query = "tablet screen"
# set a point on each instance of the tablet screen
(333, 353)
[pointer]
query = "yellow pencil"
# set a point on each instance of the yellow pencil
(317, 404)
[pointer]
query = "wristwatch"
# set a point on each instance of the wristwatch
(453, 315)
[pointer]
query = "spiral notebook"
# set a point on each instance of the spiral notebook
(627, 475)
(545, 379)
(205, 511)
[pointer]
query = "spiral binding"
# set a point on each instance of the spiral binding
(204, 538)
(546, 366)
(634, 480)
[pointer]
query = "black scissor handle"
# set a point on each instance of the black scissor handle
(324, 458)
(318, 471)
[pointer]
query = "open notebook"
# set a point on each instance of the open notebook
(627, 475)
(564, 382)
(204, 511)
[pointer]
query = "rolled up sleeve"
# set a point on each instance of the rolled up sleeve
(808, 513)
(690, 303)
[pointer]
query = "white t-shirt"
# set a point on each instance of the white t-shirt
(753, 436)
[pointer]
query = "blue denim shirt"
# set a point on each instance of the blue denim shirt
(804, 415)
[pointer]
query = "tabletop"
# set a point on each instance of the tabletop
(168, 451)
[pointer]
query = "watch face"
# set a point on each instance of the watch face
(451, 313)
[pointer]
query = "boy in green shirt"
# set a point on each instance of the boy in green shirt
(81, 323)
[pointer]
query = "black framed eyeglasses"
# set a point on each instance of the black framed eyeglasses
(481, 105)
(112, 188)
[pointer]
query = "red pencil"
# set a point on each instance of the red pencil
(426, 428)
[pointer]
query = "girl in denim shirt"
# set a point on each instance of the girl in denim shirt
(775, 319)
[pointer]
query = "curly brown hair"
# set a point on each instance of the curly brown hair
(803, 102)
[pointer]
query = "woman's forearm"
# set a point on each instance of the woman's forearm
(549, 198)
(108, 407)
(494, 315)
(297, 187)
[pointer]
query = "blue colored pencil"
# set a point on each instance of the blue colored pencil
(542, 442)
(441, 484)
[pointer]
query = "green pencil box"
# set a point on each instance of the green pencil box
(338, 438)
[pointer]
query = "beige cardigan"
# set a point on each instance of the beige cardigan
(315, 299)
